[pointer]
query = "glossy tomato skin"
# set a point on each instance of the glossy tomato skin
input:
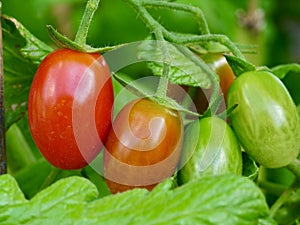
(265, 121)
(143, 146)
(210, 148)
(69, 107)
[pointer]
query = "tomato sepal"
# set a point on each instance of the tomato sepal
(64, 42)
(238, 65)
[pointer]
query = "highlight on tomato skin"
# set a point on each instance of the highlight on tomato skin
(143, 147)
(69, 107)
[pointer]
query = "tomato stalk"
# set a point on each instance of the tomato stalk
(81, 35)
(294, 167)
(198, 14)
(51, 177)
(284, 197)
(139, 6)
(79, 44)
(19, 152)
(162, 35)
(156, 28)
(271, 188)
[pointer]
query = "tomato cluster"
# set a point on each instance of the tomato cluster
(70, 110)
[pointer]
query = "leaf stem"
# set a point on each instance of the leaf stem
(222, 39)
(54, 172)
(272, 188)
(197, 12)
(156, 28)
(81, 35)
(294, 167)
(284, 197)
(162, 35)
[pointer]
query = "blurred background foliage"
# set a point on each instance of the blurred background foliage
(273, 26)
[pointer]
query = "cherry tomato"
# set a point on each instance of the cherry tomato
(265, 121)
(210, 147)
(226, 75)
(69, 107)
(143, 146)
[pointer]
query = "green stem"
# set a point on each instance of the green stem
(51, 177)
(82, 32)
(19, 152)
(163, 34)
(284, 197)
(272, 188)
(156, 28)
(164, 79)
(294, 167)
(222, 39)
(197, 12)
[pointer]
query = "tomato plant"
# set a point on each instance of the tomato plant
(143, 146)
(69, 107)
(70, 111)
(210, 148)
(265, 121)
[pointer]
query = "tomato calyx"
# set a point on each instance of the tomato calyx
(64, 42)
(139, 89)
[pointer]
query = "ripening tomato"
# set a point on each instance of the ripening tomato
(226, 76)
(265, 121)
(69, 107)
(143, 146)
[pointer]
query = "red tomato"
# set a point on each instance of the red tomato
(143, 146)
(69, 107)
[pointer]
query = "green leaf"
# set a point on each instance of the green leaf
(61, 203)
(216, 200)
(239, 66)
(282, 70)
(267, 221)
(22, 53)
(183, 71)
(250, 168)
(166, 185)
(10, 192)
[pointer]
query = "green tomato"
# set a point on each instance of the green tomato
(265, 121)
(210, 148)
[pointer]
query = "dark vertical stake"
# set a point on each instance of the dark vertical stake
(3, 168)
